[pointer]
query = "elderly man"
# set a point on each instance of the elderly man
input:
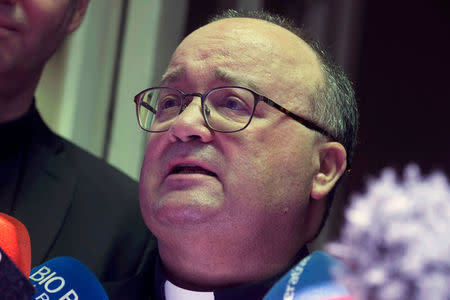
(250, 130)
(72, 203)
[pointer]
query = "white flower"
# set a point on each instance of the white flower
(396, 240)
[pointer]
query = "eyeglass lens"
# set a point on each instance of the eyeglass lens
(224, 109)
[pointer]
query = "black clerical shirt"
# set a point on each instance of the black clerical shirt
(15, 139)
(252, 291)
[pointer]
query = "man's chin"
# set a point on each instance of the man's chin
(186, 208)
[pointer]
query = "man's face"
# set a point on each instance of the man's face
(30, 31)
(249, 186)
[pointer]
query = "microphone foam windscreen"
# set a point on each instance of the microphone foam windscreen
(13, 283)
(310, 279)
(66, 278)
(15, 241)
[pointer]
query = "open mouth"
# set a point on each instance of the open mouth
(190, 169)
(7, 25)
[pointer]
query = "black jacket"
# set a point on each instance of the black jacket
(74, 204)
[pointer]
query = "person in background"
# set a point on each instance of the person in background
(72, 203)
(251, 128)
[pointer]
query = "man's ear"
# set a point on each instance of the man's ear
(333, 161)
(78, 15)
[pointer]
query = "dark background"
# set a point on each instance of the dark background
(397, 55)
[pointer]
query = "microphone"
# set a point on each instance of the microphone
(13, 284)
(395, 240)
(311, 279)
(15, 260)
(15, 242)
(65, 278)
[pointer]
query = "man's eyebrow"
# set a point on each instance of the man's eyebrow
(174, 75)
(233, 79)
(219, 74)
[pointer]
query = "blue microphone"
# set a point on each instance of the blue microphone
(65, 278)
(311, 279)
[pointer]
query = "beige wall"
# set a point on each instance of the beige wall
(80, 83)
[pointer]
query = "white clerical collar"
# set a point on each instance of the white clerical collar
(173, 292)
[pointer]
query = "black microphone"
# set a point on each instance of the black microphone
(13, 283)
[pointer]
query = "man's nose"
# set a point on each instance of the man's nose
(190, 124)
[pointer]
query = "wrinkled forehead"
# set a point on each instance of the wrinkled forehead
(247, 51)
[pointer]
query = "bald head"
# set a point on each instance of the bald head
(256, 53)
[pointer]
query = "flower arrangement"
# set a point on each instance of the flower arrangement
(396, 239)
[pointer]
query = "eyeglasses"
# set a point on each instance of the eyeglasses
(225, 109)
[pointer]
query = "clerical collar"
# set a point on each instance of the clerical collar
(256, 290)
(173, 292)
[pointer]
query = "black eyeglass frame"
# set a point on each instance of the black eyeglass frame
(309, 124)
